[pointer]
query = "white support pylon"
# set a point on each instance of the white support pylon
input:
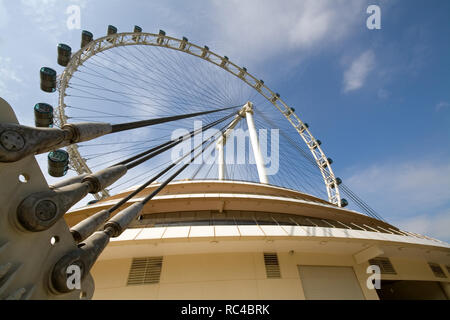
(220, 145)
(221, 161)
(247, 112)
(255, 144)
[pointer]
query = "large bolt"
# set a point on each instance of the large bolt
(12, 141)
(46, 210)
(84, 257)
(59, 273)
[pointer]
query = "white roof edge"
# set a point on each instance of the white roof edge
(294, 231)
(224, 181)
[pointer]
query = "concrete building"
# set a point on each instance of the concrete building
(241, 240)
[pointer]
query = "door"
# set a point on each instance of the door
(330, 283)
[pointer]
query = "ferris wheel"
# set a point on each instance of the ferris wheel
(137, 75)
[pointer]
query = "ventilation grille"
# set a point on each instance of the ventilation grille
(272, 266)
(385, 265)
(437, 270)
(145, 271)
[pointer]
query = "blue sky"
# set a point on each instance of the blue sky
(379, 100)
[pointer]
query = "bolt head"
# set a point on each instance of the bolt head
(45, 210)
(12, 140)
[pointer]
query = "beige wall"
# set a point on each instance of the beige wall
(218, 276)
(410, 269)
(238, 276)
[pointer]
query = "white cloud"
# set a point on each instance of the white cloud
(355, 76)
(383, 93)
(4, 16)
(404, 188)
(43, 13)
(8, 78)
(50, 15)
(259, 29)
(436, 226)
(442, 105)
(413, 196)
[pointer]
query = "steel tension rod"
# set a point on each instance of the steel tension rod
(18, 141)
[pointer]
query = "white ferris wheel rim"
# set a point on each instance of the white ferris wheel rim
(183, 45)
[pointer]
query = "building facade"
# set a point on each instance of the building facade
(242, 240)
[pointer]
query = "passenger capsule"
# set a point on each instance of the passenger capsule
(58, 163)
(160, 39)
(111, 30)
(43, 115)
(344, 203)
(64, 54)
(137, 29)
(205, 51)
(289, 111)
(316, 144)
(183, 43)
(338, 182)
(86, 37)
(242, 72)
(275, 97)
(324, 164)
(224, 61)
(48, 79)
(304, 127)
(259, 84)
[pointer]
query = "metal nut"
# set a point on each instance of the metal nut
(12, 141)
(46, 210)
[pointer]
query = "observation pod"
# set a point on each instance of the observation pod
(183, 43)
(212, 239)
(324, 163)
(43, 115)
(338, 182)
(111, 30)
(289, 111)
(58, 163)
(137, 29)
(316, 144)
(304, 127)
(275, 97)
(160, 39)
(64, 54)
(48, 79)
(86, 37)
(259, 85)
